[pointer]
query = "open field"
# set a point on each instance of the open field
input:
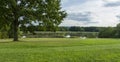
(60, 50)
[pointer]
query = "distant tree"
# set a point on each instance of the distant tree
(19, 13)
(108, 32)
(118, 31)
(91, 29)
(74, 28)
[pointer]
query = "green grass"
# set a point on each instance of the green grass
(60, 50)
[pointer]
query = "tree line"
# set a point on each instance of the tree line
(80, 29)
(104, 32)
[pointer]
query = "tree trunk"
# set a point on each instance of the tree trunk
(15, 21)
(15, 28)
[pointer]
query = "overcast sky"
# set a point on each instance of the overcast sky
(91, 12)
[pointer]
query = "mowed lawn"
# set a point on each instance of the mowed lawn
(60, 50)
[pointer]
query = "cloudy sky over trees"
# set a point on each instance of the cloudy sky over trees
(91, 12)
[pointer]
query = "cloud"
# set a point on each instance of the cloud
(82, 17)
(67, 3)
(118, 16)
(92, 13)
(111, 3)
(111, 0)
(85, 16)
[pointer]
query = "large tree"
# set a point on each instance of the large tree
(20, 13)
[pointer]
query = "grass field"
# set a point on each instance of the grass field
(60, 50)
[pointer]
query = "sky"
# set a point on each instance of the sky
(100, 13)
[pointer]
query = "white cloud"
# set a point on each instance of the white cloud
(111, 0)
(64, 1)
(105, 16)
(112, 3)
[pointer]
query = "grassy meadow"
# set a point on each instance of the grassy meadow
(60, 50)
